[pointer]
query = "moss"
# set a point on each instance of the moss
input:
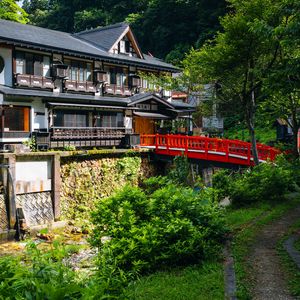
(87, 179)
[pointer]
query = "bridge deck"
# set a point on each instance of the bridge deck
(204, 148)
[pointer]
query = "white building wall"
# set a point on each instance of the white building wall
(33, 176)
(6, 74)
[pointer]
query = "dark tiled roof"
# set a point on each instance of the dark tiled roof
(64, 96)
(146, 96)
(64, 42)
(45, 38)
(103, 37)
(178, 104)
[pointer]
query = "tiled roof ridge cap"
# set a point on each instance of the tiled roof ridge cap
(102, 28)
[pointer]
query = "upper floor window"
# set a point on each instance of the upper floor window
(32, 64)
(117, 76)
(79, 70)
(125, 47)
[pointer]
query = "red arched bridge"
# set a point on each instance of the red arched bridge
(204, 148)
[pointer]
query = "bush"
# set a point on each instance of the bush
(38, 276)
(172, 225)
(265, 182)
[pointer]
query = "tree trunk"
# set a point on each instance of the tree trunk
(295, 128)
(250, 119)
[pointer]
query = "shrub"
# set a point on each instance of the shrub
(40, 275)
(265, 182)
(172, 225)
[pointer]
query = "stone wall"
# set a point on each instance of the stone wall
(84, 180)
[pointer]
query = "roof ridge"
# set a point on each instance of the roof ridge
(111, 26)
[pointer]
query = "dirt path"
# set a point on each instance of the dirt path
(267, 273)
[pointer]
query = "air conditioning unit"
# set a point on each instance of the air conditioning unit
(100, 76)
(60, 71)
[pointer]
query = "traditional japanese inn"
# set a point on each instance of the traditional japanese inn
(83, 89)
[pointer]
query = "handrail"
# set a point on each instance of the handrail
(207, 148)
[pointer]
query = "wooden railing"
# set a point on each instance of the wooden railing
(80, 86)
(86, 133)
(223, 150)
(34, 81)
(113, 89)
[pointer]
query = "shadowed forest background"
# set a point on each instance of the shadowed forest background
(165, 28)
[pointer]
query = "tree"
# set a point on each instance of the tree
(242, 57)
(283, 86)
(10, 10)
(162, 26)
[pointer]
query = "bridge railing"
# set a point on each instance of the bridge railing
(206, 145)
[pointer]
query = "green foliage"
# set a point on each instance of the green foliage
(180, 171)
(42, 275)
(221, 182)
(69, 148)
(87, 180)
(10, 10)
(193, 283)
(31, 143)
(265, 182)
(153, 21)
(168, 226)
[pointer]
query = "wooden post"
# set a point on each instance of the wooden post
(56, 185)
(11, 191)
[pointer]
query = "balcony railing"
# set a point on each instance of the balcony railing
(34, 81)
(113, 89)
(78, 86)
(82, 133)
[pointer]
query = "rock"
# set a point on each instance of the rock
(85, 231)
(76, 230)
(45, 236)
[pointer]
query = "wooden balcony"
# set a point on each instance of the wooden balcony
(78, 86)
(83, 137)
(113, 89)
(24, 80)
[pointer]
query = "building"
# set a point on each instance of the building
(83, 89)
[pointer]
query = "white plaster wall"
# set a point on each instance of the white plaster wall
(6, 74)
(33, 170)
(33, 176)
(38, 121)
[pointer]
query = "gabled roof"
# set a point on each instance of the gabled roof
(107, 37)
(148, 96)
(61, 42)
(103, 37)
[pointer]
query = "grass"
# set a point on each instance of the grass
(263, 135)
(192, 283)
(207, 281)
(248, 221)
(291, 269)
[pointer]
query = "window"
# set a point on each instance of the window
(70, 119)
(118, 76)
(16, 119)
(32, 64)
(78, 70)
(20, 63)
(109, 119)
